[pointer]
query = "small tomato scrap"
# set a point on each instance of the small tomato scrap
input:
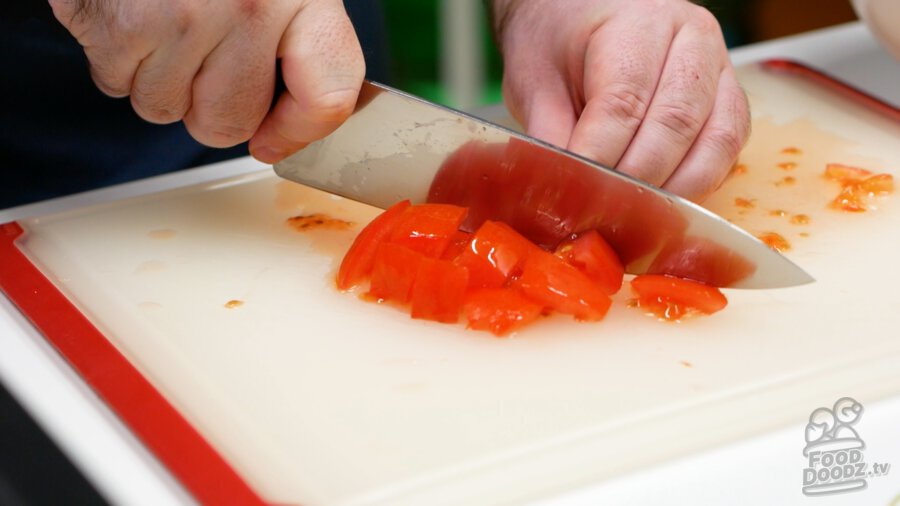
(417, 256)
(857, 185)
(672, 298)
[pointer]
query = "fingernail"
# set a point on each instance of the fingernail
(268, 154)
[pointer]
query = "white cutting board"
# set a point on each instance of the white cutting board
(316, 397)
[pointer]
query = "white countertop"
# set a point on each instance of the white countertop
(763, 470)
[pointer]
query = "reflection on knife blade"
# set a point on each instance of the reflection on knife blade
(396, 146)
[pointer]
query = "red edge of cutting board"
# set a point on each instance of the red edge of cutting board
(144, 410)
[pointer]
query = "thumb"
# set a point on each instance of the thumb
(323, 68)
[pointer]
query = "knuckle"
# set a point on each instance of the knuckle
(679, 119)
(728, 141)
(624, 103)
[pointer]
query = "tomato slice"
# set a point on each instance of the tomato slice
(357, 263)
(428, 228)
(495, 253)
(394, 273)
(499, 310)
(671, 298)
(439, 290)
(590, 254)
(551, 282)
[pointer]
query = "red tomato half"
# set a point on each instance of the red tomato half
(590, 254)
(357, 263)
(394, 273)
(428, 228)
(439, 290)
(500, 310)
(548, 280)
(670, 297)
(495, 253)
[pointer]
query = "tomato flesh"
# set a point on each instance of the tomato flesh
(357, 264)
(593, 256)
(671, 298)
(500, 310)
(495, 253)
(551, 282)
(439, 290)
(394, 273)
(428, 228)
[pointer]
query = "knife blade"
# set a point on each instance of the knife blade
(397, 146)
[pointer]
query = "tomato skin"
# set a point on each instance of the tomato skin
(593, 256)
(495, 253)
(675, 296)
(428, 228)
(439, 290)
(499, 310)
(357, 264)
(551, 282)
(395, 271)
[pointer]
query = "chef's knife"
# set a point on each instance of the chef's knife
(396, 146)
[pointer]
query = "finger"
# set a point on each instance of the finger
(549, 115)
(717, 147)
(323, 69)
(622, 65)
(162, 85)
(681, 104)
(113, 52)
(233, 89)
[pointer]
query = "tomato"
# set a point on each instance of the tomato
(394, 272)
(357, 263)
(495, 253)
(428, 228)
(551, 282)
(670, 297)
(458, 243)
(499, 310)
(439, 290)
(590, 254)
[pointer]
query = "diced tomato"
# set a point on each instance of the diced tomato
(458, 243)
(500, 310)
(845, 173)
(670, 297)
(551, 282)
(495, 253)
(428, 228)
(590, 254)
(357, 263)
(439, 290)
(394, 274)
(878, 184)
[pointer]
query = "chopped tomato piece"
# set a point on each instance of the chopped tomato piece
(845, 173)
(500, 310)
(458, 243)
(878, 184)
(439, 290)
(428, 228)
(551, 282)
(357, 263)
(671, 298)
(593, 256)
(394, 274)
(495, 253)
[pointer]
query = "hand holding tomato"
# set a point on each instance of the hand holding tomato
(645, 86)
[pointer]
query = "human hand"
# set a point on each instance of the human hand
(213, 65)
(644, 86)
